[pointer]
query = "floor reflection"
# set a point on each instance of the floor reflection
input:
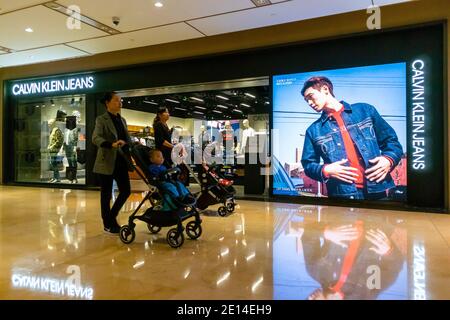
(52, 247)
(333, 259)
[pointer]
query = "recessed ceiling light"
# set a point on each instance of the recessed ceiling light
(201, 108)
(222, 97)
(249, 95)
(245, 105)
(197, 99)
(198, 112)
(150, 102)
(174, 101)
(158, 4)
(221, 106)
(29, 30)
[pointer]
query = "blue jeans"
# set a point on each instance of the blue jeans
(362, 194)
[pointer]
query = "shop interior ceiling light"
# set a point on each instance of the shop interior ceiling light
(174, 101)
(159, 4)
(150, 102)
(29, 30)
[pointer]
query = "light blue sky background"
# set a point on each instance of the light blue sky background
(383, 86)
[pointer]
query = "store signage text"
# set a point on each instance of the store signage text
(70, 84)
(418, 115)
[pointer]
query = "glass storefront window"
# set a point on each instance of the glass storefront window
(50, 140)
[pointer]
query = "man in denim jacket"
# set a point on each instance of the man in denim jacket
(358, 147)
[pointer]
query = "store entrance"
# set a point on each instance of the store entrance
(220, 123)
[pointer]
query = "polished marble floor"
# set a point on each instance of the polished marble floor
(52, 247)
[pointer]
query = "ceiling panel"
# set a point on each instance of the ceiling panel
(49, 28)
(39, 55)
(282, 12)
(170, 33)
(9, 5)
(138, 14)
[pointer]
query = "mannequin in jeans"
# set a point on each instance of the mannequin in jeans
(56, 139)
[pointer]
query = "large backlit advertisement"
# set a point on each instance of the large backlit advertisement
(343, 133)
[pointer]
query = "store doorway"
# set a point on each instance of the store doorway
(227, 121)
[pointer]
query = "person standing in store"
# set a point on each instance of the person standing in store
(109, 135)
(163, 135)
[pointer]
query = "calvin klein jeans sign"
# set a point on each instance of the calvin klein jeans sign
(64, 85)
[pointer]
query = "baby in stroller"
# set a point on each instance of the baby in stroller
(167, 183)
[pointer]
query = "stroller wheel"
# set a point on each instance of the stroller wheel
(194, 230)
(153, 229)
(127, 234)
(230, 207)
(174, 238)
(222, 211)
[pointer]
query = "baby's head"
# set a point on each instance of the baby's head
(156, 157)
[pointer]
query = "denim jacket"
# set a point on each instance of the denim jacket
(372, 136)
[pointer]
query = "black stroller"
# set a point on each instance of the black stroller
(156, 218)
(215, 188)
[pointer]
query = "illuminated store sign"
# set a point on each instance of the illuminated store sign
(418, 115)
(49, 86)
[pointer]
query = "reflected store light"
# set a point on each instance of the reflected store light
(223, 278)
(250, 257)
(257, 283)
(243, 223)
(138, 264)
(225, 252)
(187, 273)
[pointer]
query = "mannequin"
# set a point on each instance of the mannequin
(70, 145)
(56, 139)
(229, 142)
(203, 138)
(246, 134)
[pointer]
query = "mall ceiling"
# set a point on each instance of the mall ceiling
(34, 31)
(235, 103)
